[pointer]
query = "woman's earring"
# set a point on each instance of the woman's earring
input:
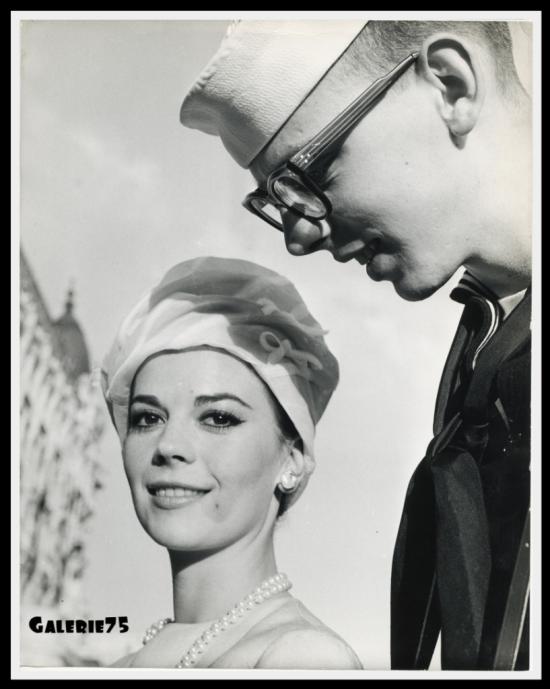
(288, 482)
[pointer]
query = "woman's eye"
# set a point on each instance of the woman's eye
(220, 419)
(145, 419)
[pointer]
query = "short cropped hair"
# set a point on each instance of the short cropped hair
(384, 43)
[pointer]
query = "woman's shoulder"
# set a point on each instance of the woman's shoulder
(299, 640)
(309, 649)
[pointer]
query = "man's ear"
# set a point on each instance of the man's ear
(453, 67)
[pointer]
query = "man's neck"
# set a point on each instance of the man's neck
(502, 281)
(501, 236)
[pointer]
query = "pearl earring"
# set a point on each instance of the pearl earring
(288, 482)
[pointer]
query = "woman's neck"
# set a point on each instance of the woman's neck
(205, 586)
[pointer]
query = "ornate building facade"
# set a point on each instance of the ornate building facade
(61, 422)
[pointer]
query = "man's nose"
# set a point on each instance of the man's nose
(303, 236)
(175, 444)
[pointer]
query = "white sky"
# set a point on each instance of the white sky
(115, 191)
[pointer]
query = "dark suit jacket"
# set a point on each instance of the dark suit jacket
(464, 527)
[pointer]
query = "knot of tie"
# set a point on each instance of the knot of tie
(481, 318)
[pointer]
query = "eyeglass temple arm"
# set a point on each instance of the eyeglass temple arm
(350, 115)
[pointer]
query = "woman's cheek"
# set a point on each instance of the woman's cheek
(134, 456)
(237, 461)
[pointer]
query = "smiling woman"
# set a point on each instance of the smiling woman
(191, 445)
(215, 384)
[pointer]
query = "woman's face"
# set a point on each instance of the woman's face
(203, 453)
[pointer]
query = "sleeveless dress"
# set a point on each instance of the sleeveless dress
(279, 634)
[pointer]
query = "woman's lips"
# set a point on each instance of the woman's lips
(168, 495)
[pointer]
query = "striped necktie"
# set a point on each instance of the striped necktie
(480, 320)
(471, 292)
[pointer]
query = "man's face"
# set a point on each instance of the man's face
(403, 193)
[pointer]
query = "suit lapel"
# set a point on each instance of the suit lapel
(509, 338)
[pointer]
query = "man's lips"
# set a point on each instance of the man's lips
(369, 252)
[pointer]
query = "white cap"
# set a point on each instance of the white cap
(238, 96)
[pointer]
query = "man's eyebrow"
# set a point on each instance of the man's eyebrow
(146, 399)
(208, 399)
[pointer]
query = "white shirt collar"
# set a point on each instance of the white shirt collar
(509, 303)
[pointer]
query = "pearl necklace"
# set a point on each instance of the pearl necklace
(266, 590)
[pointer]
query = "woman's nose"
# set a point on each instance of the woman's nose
(304, 236)
(175, 444)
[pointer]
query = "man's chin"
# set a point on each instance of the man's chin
(414, 292)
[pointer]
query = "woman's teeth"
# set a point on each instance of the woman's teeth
(177, 492)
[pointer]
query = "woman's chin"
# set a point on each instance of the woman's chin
(173, 537)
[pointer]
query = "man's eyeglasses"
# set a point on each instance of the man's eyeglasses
(290, 186)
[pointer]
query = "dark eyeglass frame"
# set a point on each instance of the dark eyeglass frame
(296, 168)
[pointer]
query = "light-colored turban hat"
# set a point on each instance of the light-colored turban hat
(262, 72)
(244, 309)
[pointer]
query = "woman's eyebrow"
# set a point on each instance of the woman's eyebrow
(208, 399)
(146, 399)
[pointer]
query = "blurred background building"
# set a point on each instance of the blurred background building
(61, 422)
